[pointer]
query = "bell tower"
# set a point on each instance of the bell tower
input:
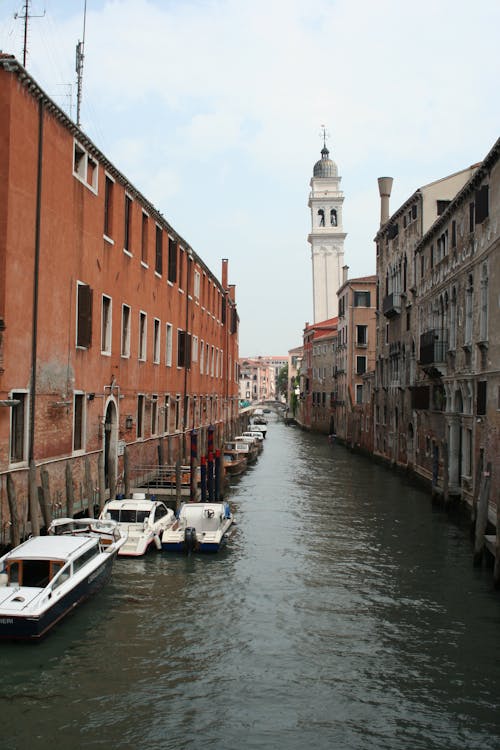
(327, 235)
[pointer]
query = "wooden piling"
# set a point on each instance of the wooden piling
(89, 488)
(70, 492)
(126, 472)
(496, 569)
(178, 481)
(15, 536)
(482, 515)
(44, 498)
(33, 500)
(102, 480)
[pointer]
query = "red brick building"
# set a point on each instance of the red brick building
(114, 335)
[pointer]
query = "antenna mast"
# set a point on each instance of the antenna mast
(26, 15)
(79, 67)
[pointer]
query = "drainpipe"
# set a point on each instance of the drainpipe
(189, 260)
(34, 327)
(32, 485)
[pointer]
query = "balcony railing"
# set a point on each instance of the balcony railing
(433, 347)
(391, 305)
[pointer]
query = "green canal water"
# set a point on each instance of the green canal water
(345, 614)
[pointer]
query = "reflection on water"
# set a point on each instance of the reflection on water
(346, 613)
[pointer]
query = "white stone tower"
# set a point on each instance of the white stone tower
(327, 236)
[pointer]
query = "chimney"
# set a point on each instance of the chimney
(384, 188)
(224, 273)
(345, 270)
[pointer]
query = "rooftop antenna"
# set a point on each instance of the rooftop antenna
(26, 15)
(79, 67)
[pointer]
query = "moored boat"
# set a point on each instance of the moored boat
(45, 578)
(235, 462)
(200, 527)
(143, 520)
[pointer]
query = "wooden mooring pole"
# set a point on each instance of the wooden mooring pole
(15, 536)
(33, 500)
(482, 515)
(70, 491)
(44, 498)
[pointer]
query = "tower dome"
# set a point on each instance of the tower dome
(325, 167)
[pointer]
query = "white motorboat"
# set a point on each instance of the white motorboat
(46, 577)
(200, 527)
(143, 520)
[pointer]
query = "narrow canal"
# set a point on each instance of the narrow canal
(346, 614)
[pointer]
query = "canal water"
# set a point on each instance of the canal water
(345, 614)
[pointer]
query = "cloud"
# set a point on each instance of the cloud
(213, 109)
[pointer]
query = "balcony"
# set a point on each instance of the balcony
(433, 348)
(391, 305)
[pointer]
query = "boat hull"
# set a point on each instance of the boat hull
(36, 625)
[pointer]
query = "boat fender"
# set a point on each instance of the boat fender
(157, 542)
(227, 512)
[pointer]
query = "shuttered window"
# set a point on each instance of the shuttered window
(481, 397)
(482, 205)
(172, 260)
(84, 316)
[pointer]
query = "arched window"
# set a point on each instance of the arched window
(483, 319)
(468, 311)
(321, 215)
(333, 217)
(453, 320)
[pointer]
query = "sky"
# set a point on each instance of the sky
(214, 110)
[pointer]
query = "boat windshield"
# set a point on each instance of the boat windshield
(124, 515)
(33, 573)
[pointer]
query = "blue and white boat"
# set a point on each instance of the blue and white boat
(200, 527)
(46, 577)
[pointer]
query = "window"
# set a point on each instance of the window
(125, 343)
(482, 205)
(159, 250)
(144, 238)
(453, 233)
(140, 416)
(172, 260)
(361, 299)
(483, 312)
(127, 225)
(142, 336)
(79, 161)
(177, 412)
(181, 268)
(154, 413)
(194, 352)
(18, 427)
(78, 421)
(472, 211)
(108, 207)
(321, 218)
(168, 345)
(106, 325)
(481, 397)
(156, 341)
(196, 285)
(360, 365)
(85, 167)
(359, 394)
(166, 407)
(83, 316)
(183, 349)
(361, 335)
(202, 352)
